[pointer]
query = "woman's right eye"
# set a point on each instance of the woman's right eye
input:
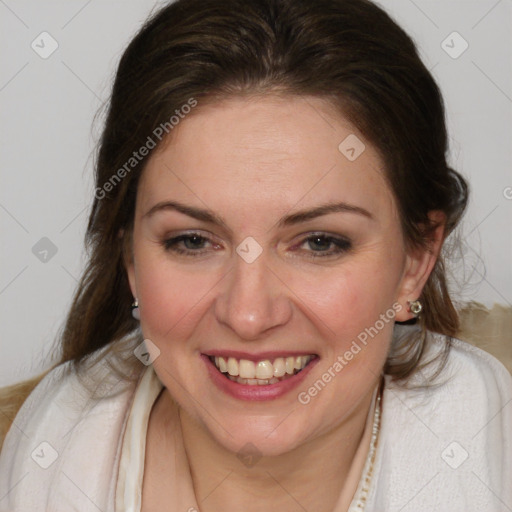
(189, 244)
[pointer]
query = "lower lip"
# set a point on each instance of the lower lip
(255, 392)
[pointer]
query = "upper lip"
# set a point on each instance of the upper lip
(260, 356)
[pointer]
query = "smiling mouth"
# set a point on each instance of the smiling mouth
(261, 373)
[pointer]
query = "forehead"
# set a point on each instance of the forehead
(264, 152)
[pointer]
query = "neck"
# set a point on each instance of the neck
(297, 480)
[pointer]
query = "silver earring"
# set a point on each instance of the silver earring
(415, 307)
(135, 310)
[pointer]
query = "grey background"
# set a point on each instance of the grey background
(48, 133)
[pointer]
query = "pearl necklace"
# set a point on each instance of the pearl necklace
(364, 489)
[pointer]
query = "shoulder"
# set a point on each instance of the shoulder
(12, 398)
(68, 393)
(472, 386)
(472, 373)
(67, 415)
(471, 389)
(487, 370)
(451, 434)
(469, 373)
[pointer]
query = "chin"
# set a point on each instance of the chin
(259, 437)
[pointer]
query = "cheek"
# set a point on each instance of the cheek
(171, 299)
(351, 297)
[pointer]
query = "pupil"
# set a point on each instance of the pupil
(193, 242)
(320, 242)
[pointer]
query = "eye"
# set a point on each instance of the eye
(188, 244)
(321, 245)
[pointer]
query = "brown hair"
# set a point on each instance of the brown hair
(349, 52)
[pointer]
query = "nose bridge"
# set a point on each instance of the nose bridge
(252, 299)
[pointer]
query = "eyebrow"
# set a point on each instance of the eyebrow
(208, 216)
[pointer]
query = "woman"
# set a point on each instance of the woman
(272, 197)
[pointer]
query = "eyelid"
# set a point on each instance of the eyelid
(208, 235)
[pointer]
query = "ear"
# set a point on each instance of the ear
(128, 260)
(419, 264)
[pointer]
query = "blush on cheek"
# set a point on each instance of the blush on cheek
(171, 301)
(162, 302)
(342, 304)
(351, 307)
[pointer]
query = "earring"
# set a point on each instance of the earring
(135, 310)
(415, 307)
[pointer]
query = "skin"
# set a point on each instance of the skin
(252, 161)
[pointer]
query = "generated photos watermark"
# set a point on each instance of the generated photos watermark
(152, 140)
(305, 397)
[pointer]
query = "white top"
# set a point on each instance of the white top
(448, 448)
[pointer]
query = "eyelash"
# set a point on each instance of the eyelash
(342, 245)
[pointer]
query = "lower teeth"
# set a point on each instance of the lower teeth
(259, 382)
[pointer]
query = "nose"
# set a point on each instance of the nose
(252, 300)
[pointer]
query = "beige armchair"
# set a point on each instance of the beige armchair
(491, 330)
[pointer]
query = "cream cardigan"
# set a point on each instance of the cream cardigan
(445, 449)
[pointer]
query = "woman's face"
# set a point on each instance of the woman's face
(235, 255)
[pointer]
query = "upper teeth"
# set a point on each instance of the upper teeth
(264, 369)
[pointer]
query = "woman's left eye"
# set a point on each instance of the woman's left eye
(322, 245)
